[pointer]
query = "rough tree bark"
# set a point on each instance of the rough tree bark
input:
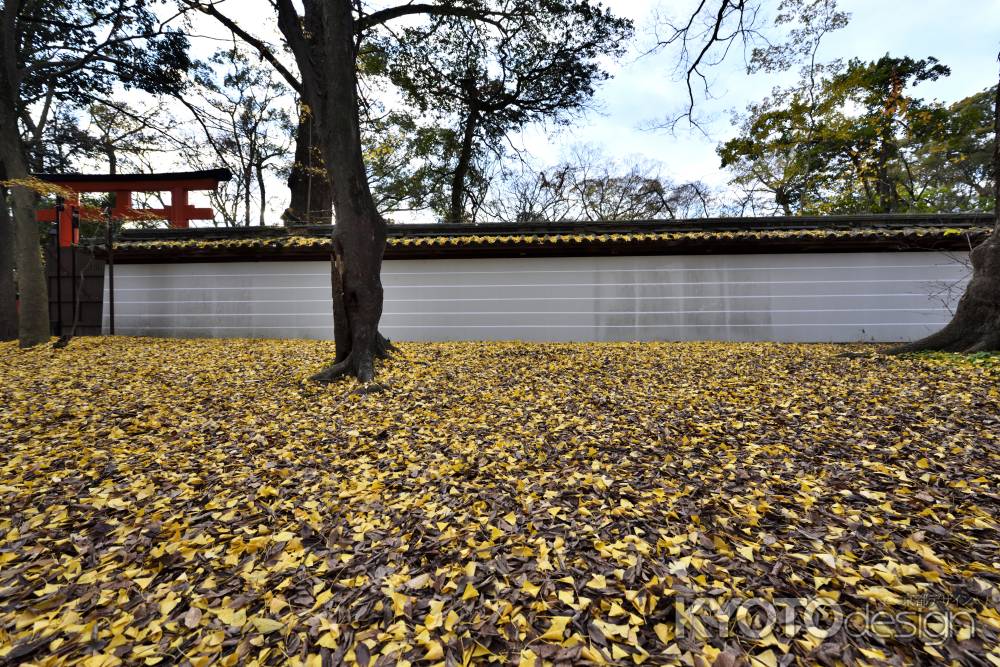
(311, 193)
(361, 231)
(457, 208)
(976, 324)
(341, 326)
(329, 80)
(33, 315)
(327, 86)
(8, 292)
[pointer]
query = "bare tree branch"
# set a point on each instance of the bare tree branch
(385, 15)
(263, 49)
(697, 46)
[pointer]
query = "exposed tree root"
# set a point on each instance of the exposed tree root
(349, 366)
(371, 388)
(976, 324)
(384, 347)
(335, 371)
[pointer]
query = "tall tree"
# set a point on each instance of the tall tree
(326, 39)
(311, 200)
(955, 164)
(875, 137)
(311, 195)
(495, 77)
(406, 160)
(126, 137)
(773, 162)
(862, 143)
(62, 51)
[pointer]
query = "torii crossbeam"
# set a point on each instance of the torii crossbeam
(178, 214)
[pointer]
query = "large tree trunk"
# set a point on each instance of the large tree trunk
(33, 314)
(311, 194)
(976, 324)
(341, 323)
(457, 210)
(8, 292)
(359, 239)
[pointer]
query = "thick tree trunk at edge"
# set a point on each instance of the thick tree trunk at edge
(976, 324)
(33, 314)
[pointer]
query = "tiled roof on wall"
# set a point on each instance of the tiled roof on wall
(567, 239)
(956, 232)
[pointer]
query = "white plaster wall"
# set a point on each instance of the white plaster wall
(835, 297)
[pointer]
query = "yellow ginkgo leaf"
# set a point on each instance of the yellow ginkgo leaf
(266, 625)
(556, 629)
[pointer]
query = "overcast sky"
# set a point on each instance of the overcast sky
(963, 34)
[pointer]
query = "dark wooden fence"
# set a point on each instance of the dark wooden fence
(85, 306)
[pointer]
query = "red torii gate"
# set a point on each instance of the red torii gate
(178, 214)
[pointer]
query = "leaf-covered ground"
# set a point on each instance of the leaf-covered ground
(198, 502)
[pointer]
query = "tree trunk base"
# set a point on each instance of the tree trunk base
(360, 368)
(335, 371)
(976, 324)
(384, 347)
